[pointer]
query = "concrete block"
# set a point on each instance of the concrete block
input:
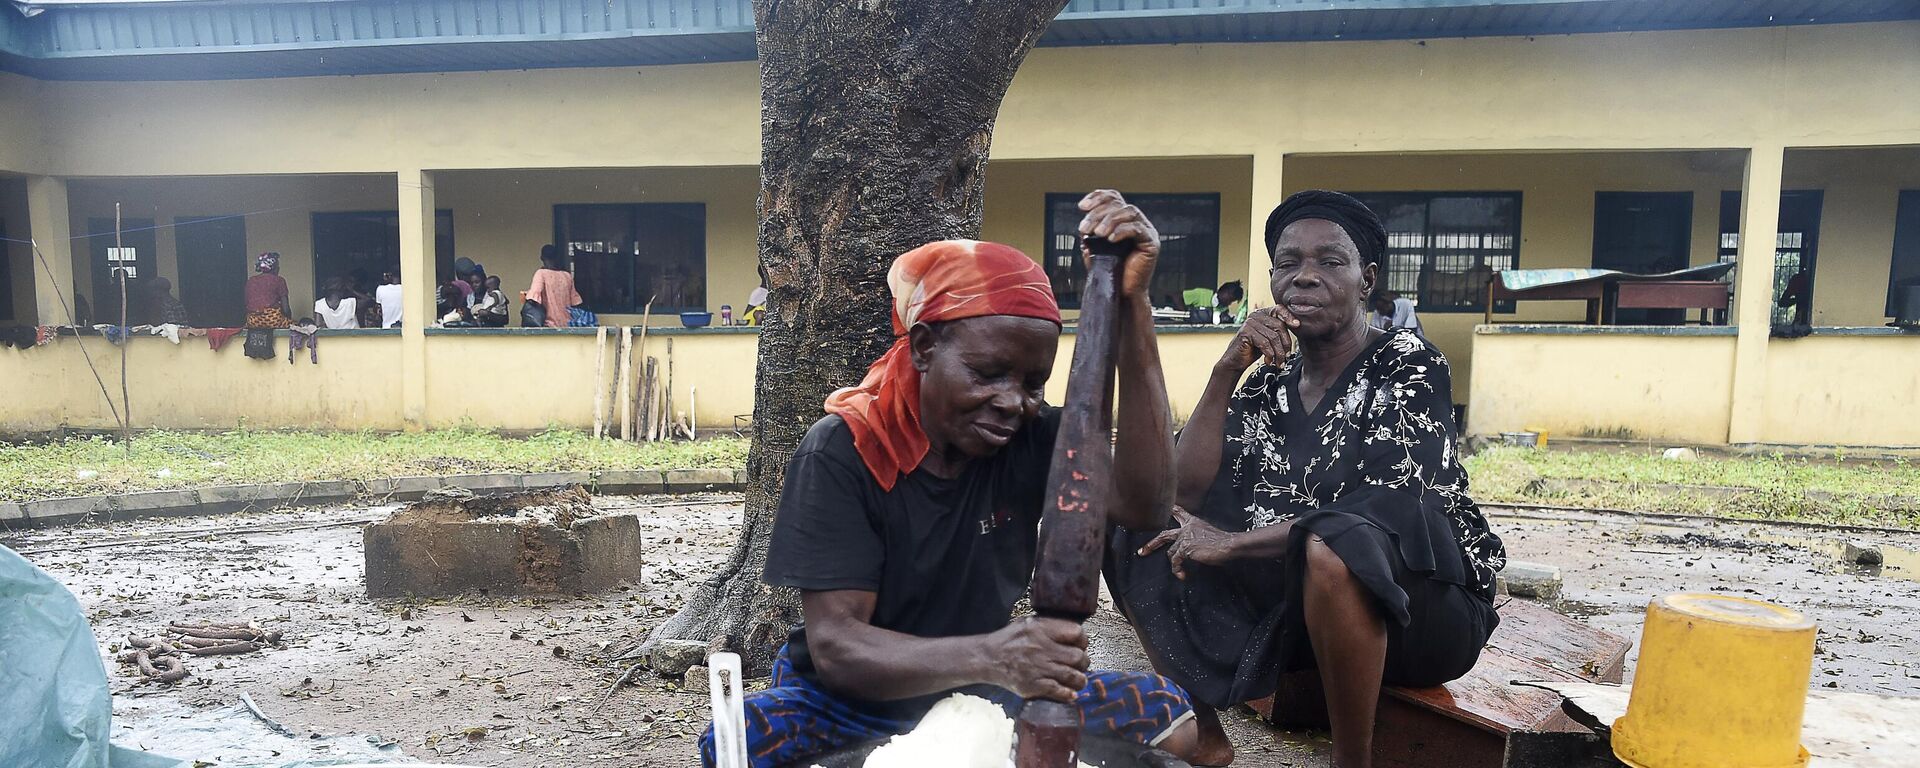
(10, 511)
(1863, 553)
(157, 502)
(537, 542)
(625, 482)
(221, 499)
(1524, 579)
(555, 479)
(672, 658)
(66, 510)
(410, 488)
(322, 491)
(483, 483)
(698, 480)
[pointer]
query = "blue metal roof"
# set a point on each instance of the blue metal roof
(218, 39)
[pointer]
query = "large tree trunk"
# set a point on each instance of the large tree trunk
(875, 119)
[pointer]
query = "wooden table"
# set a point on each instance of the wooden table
(1704, 295)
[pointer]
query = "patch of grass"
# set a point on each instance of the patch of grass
(163, 460)
(1769, 487)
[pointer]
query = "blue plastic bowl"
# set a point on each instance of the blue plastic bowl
(696, 319)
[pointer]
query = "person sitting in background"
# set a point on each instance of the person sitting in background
(1230, 304)
(451, 304)
(389, 297)
(162, 307)
(462, 267)
(337, 309)
(553, 289)
(1390, 310)
(490, 310)
(266, 294)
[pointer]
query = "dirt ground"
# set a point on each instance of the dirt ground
(528, 682)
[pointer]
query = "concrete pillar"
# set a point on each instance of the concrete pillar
(52, 236)
(1753, 290)
(1267, 193)
(417, 281)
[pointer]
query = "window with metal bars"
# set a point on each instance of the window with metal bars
(1796, 245)
(1189, 226)
(1443, 247)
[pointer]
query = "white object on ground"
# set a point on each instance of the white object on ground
(729, 711)
(961, 731)
(1680, 454)
(85, 474)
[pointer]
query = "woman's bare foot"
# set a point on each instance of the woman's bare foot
(1213, 748)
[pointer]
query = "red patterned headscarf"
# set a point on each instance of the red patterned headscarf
(936, 282)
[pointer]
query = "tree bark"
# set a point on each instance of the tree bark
(876, 117)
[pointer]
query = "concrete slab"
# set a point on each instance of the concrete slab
(221, 499)
(489, 483)
(323, 490)
(10, 511)
(156, 502)
(535, 542)
(66, 510)
(627, 482)
(555, 479)
(698, 480)
(410, 488)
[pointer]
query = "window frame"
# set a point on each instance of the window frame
(1911, 239)
(1048, 252)
(1428, 260)
(560, 243)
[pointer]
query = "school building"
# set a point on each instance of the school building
(352, 136)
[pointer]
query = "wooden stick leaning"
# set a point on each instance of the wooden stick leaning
(599, 374)
(623, 381)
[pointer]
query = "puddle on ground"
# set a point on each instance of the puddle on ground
(1897, 562)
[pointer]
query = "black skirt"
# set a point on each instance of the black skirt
(1226, 633)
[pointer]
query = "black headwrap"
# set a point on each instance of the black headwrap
(1360, 223)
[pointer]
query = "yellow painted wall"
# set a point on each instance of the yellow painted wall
(1843, 390)
(21, 127)
(279, 217)
(1819, 85)
(531, 382)
(501, 218)
(513, 382)
(355, 386)
(1670, 388)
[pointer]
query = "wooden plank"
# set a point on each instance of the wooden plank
(1535, 632)
(1672, 294)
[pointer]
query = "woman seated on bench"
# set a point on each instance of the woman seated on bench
(1330, 525)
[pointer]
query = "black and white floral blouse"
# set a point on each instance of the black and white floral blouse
(1379, 448)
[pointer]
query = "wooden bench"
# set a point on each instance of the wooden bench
(1482, 720)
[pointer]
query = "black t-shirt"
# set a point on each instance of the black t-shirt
(945, 557)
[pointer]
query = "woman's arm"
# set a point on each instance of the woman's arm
(1267, 333)
(1143, 450)
(1035, 658)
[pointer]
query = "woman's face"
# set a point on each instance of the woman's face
(982, 379)
(1318, 276)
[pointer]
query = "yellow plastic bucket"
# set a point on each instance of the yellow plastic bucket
(1722, 683)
